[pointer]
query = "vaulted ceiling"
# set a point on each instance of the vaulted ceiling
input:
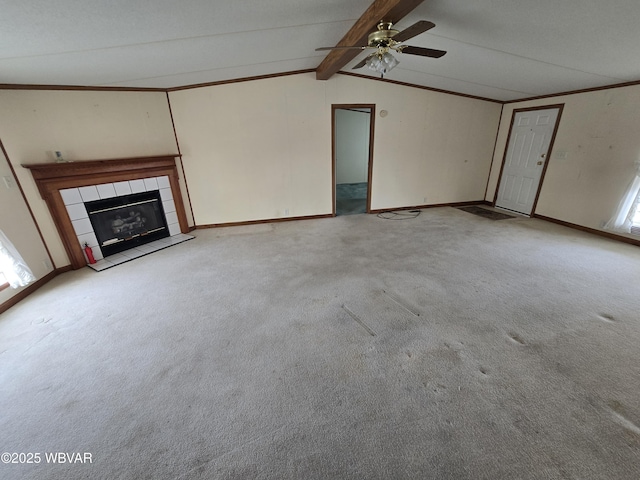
(498, 49)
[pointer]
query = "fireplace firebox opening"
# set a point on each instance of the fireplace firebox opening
(124, 222)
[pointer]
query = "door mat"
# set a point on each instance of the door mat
(483, 212)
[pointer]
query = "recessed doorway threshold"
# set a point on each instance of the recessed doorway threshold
(519, 214)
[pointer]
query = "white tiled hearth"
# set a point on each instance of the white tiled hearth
(74, 199)
(136, 252)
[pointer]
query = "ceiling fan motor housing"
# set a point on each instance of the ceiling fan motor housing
(383, 36)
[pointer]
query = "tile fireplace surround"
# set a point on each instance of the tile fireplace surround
(66, 186)
(75, 198)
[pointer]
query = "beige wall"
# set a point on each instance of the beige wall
(252, 150)
(598, 134)
(17, 224)
(255, 150)
(83, 125)
(260, 149)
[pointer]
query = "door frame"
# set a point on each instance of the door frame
(560, 107)
(338, 106)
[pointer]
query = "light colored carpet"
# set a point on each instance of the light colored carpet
(447, 346)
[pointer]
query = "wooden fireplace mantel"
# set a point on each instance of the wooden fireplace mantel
(53, 177)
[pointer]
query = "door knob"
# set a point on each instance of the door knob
(544, 155)
(540, 162)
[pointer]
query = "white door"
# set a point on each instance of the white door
(527, 152)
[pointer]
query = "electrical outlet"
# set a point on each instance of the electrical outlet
(286, 211)
(424, 199)
(47, 264)
(8, 182)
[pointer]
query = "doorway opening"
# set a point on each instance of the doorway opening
(352, 151)
(529, 145)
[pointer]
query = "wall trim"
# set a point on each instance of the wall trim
(575, 92)
(29, 289)
(600, 233)
(267, 220)
(421, 87)
(18, 86)
(493, 154)
(184, 175)
(242, 79)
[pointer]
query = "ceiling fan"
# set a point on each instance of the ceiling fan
(386, 38)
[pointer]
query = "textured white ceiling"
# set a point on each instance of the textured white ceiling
(500, 49)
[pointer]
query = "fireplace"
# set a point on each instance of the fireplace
(122, 218)
(121, 223)
(69, 188)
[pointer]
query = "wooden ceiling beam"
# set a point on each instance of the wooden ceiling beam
(388, 10)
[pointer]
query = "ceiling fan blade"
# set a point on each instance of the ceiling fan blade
(423, 52)
(339, 48)
(361, 63)
(415, 29)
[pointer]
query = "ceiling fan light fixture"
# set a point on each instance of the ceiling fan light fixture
(382, 40)
(389, 61)
(381, 62)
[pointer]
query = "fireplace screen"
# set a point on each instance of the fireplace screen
(121, 223)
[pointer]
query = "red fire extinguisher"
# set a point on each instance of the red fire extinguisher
(89, 252)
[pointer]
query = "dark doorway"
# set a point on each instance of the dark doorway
(352, 152)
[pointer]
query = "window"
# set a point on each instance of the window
(626, 218)
(13, 271)
(635, 218)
